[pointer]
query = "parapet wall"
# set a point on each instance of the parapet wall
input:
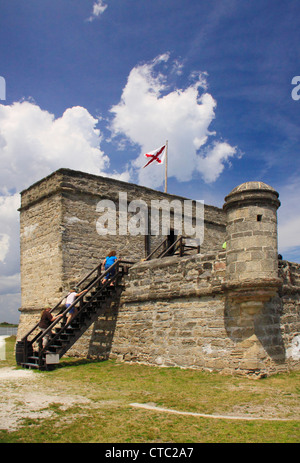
(290, 316)
(176, 312)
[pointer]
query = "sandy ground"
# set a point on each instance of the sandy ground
(24, 396)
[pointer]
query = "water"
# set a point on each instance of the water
(8, 331)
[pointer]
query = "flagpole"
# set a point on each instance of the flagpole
(166, 168)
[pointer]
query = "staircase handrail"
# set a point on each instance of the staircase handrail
(61, 300)
(166, 250)
(156, 249)
(179, 240)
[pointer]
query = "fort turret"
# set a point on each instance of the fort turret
(252, 255)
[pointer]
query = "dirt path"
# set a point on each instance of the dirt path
(202, 415)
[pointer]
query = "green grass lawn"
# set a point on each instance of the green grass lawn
(110, 387)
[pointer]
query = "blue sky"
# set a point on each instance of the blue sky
(91, 85)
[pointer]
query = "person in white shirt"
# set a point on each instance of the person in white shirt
(70, 299)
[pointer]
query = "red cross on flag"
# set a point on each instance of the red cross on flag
(156, 156)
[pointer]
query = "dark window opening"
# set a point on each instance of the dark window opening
(259, 217)
(171, 239)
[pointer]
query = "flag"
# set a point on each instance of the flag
(156, 155)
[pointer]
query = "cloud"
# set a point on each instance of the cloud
(9, 234)
(98, 9)
(289, 219)
(10, 284)
(151, 112)
(9, 258)
(4, 246)
(11, 303)
(212, 164)
(33, 144)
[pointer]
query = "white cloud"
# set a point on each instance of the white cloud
(289, 233)
(289, 218)
(9, 234)
(149, 113)
(9, 258)
(211, 164)
(98, 8)
(8, 211)
(10, 284)
(33, 144)
(10, 302)
(4, 246)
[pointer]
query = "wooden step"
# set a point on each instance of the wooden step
(53, 348)
(30, 365)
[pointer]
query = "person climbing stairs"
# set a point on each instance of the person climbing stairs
(95, 298)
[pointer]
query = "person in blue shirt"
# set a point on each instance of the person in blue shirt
(108, 262)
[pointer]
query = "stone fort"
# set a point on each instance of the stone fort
(233, 310)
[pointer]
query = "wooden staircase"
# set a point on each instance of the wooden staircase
(32, 352)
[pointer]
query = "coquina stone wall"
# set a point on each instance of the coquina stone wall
(41, 249)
